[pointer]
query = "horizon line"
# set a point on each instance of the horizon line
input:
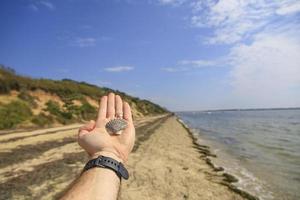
(242, 109)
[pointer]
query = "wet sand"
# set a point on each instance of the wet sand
(166, 163)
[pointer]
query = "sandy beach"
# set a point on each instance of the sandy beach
(169, 165)
(166, 163)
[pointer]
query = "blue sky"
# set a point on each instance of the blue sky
(182, 54)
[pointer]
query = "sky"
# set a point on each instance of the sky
(181, 54)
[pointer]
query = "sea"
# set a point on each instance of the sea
(260, 147)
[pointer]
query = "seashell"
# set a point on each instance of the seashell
(116, 125)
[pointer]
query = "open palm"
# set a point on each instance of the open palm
(94, 138)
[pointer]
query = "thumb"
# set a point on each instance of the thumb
(86, 128)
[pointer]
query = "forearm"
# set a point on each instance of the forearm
(97, 184)
(105, 149)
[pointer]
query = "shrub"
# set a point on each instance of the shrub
(71, 108)
(87, 111)
(28, 98)
(13, 114)
(42, 120)
(63, 117)
(53, 108)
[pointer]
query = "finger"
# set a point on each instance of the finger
(127, 112)
(86, 128)
(102, 109)
(119, 106)
(129, 132)
(111, 106)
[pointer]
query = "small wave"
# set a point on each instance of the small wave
(229, 140)
(249, 182)
(272, 147)
(261, 142)
(283, 139)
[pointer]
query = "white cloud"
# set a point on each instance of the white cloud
(174, 69)
(289, 8)
(186, 65)
(84, 42)
(235, 20)
(171, 2)
(267, 71)
(38, 4)
(198, 63)
(263, 41)
(48, 4)
(119, 69)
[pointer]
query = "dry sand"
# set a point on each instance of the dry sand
(166, 164)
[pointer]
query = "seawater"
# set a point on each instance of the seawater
(260, 147)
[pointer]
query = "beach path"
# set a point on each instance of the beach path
(168, 166)
(164, 164)
(40, 164)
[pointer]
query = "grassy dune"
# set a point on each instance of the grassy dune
(26, 102)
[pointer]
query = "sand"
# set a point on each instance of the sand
(166, 164)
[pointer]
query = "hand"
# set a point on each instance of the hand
(94, 138)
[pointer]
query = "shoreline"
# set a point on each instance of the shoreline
(170, 164)
(166, 163)
(205, 153)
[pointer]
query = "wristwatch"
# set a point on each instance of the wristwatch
(109, 163)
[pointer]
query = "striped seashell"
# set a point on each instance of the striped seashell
(116, 125)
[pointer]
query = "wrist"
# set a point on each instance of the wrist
(110, 154)
(108, 163)
(108, 173)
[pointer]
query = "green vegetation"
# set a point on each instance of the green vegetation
(28, 98)
(87, 111)
(148, 108)
(13, 114)
(63, 117)
(71, 112)
(68, 91)
(42, 120)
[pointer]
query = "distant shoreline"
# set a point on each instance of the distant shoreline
(242, 109)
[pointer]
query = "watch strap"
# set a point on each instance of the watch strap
(107, 162)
